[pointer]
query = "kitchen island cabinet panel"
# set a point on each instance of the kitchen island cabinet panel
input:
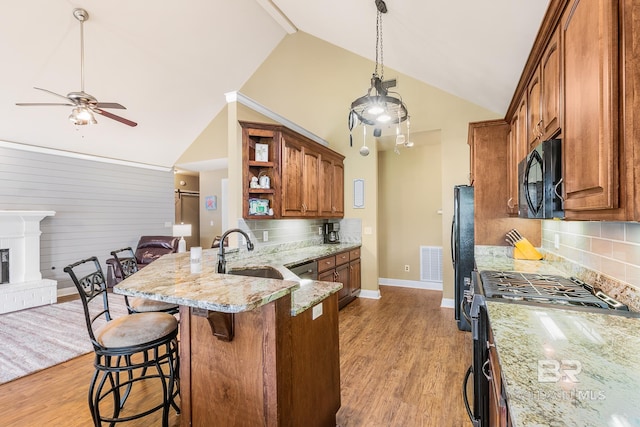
(316, 394)
(248, 378)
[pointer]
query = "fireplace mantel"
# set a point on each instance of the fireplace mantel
(20, 233)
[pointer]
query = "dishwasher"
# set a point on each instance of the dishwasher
(307, 270)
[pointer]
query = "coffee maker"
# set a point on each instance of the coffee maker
(332, 232)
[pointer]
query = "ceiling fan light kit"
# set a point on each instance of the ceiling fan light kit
(380, 107)
(85, 105)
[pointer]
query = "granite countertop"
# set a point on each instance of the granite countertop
(563, 367)
(567, 368)
(170, 279)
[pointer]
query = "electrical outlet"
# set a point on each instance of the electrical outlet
(556, 241)
(320, 231)
(265, 236)
(316, 311)
(406, 267)
(243, 240)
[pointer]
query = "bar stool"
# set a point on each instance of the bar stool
(127, 264)
(140, 347)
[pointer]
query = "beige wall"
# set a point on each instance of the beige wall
(211, 220)
(409, 204)
(211, 143)
(312, 83)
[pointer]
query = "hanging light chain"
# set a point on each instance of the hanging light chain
(379, 52)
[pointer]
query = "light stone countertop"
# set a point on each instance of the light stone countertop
(567, 367)
(564, 367)
(170, 279)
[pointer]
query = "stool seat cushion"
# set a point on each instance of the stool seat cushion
(144, 305)
(135, 329)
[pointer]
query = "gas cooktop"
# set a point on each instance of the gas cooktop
(544, 288)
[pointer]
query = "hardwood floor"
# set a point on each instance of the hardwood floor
(402, 361)
(402, 364)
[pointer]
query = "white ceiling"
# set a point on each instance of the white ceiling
(171, 65)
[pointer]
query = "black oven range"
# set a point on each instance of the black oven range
(519, 288)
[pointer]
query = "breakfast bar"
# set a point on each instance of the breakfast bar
(253, 350)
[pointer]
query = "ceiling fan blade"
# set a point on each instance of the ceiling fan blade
(110, 105)
(31, 104)
(52, 93)
(114, 117)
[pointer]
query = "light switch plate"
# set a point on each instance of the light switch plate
(317, 311)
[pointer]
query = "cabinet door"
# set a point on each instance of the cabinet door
(512, 168)
(326, 186)
(343, 276)
(337, 193)
(550, 75)
(533, 111)
(331, 187)
(590, 133)
(327, 276)
(310, 177)
(355, 278)
(292, 184)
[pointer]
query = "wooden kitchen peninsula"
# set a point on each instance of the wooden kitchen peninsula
(253, 351)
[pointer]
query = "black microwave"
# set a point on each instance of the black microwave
(539, 182)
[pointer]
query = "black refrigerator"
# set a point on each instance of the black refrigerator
(462, 250)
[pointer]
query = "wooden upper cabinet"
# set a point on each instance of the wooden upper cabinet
(551, 81)
(534, 111)
(337, 190)
(307, 178)
(589, 46)
(312, 180)
(543, 95)
(332, 187)
(512, 168)
(292, 184)
(517, 150)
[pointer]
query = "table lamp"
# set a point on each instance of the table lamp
(182, 230)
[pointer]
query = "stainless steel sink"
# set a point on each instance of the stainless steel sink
(265, 272)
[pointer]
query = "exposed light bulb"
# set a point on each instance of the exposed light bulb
(383, 118)
(375, 109)
(81, 116)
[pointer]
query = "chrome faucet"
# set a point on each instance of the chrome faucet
(222, 263)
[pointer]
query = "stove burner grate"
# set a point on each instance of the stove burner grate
(539, 288)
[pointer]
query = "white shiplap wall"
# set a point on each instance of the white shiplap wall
(100, 206)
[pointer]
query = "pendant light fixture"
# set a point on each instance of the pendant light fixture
(379, 107)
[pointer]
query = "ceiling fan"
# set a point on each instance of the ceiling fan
(84, 104)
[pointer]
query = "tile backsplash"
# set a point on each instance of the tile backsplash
(292, 233)
(610, 248)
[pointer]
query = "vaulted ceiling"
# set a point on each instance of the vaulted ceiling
(170, 63)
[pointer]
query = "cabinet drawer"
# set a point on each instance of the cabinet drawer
(354, 254)
(326, 263)
(342, 258)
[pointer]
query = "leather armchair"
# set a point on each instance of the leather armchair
(148, 250)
